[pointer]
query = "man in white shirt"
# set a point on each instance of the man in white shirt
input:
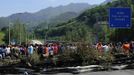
(106, 48)
(8, 51)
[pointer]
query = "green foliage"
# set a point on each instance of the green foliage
(20, 36)
(40, 33)
(63, 18)
(35, 58)
(91, 21)
(88, 54)
(80, 33)
(2, 37)
(17, 32)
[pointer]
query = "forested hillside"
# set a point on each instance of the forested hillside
(92, 25)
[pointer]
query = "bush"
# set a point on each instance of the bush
(88, 54)
(84, 55)
(106, 60)
(34, 58)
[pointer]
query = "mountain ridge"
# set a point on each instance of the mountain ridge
(33, 19)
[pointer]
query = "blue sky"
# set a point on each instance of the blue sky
(8, 7)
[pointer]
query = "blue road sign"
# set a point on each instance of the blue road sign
(120, 17)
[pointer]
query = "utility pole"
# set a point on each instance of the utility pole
(20, 33)
(97, 22)
(26, 38)
(26, 33)
(46, 35)
(9, 34)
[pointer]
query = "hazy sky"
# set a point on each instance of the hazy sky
(8, 7)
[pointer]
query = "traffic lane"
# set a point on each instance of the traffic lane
(119, 72)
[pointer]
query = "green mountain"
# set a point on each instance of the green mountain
(3, 22)
(92, 23)
(46, 15)
(63, 17)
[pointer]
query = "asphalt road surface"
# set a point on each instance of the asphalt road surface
(119, 72)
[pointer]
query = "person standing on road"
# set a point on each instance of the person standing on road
(51, 50)
(1, 52)
(8, 52)
(99, 47)
(126, 48)
(106, 48)
(30, 50)
(46, 51)
(132, 46)
(55, 49)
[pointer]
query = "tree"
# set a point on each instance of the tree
(18, 32)
(1, 37)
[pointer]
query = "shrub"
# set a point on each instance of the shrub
(88, 54)
(84, 55)
(34, 58)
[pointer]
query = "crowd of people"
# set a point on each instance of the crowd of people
(27, 50)
(55, 49)
(126, 48)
